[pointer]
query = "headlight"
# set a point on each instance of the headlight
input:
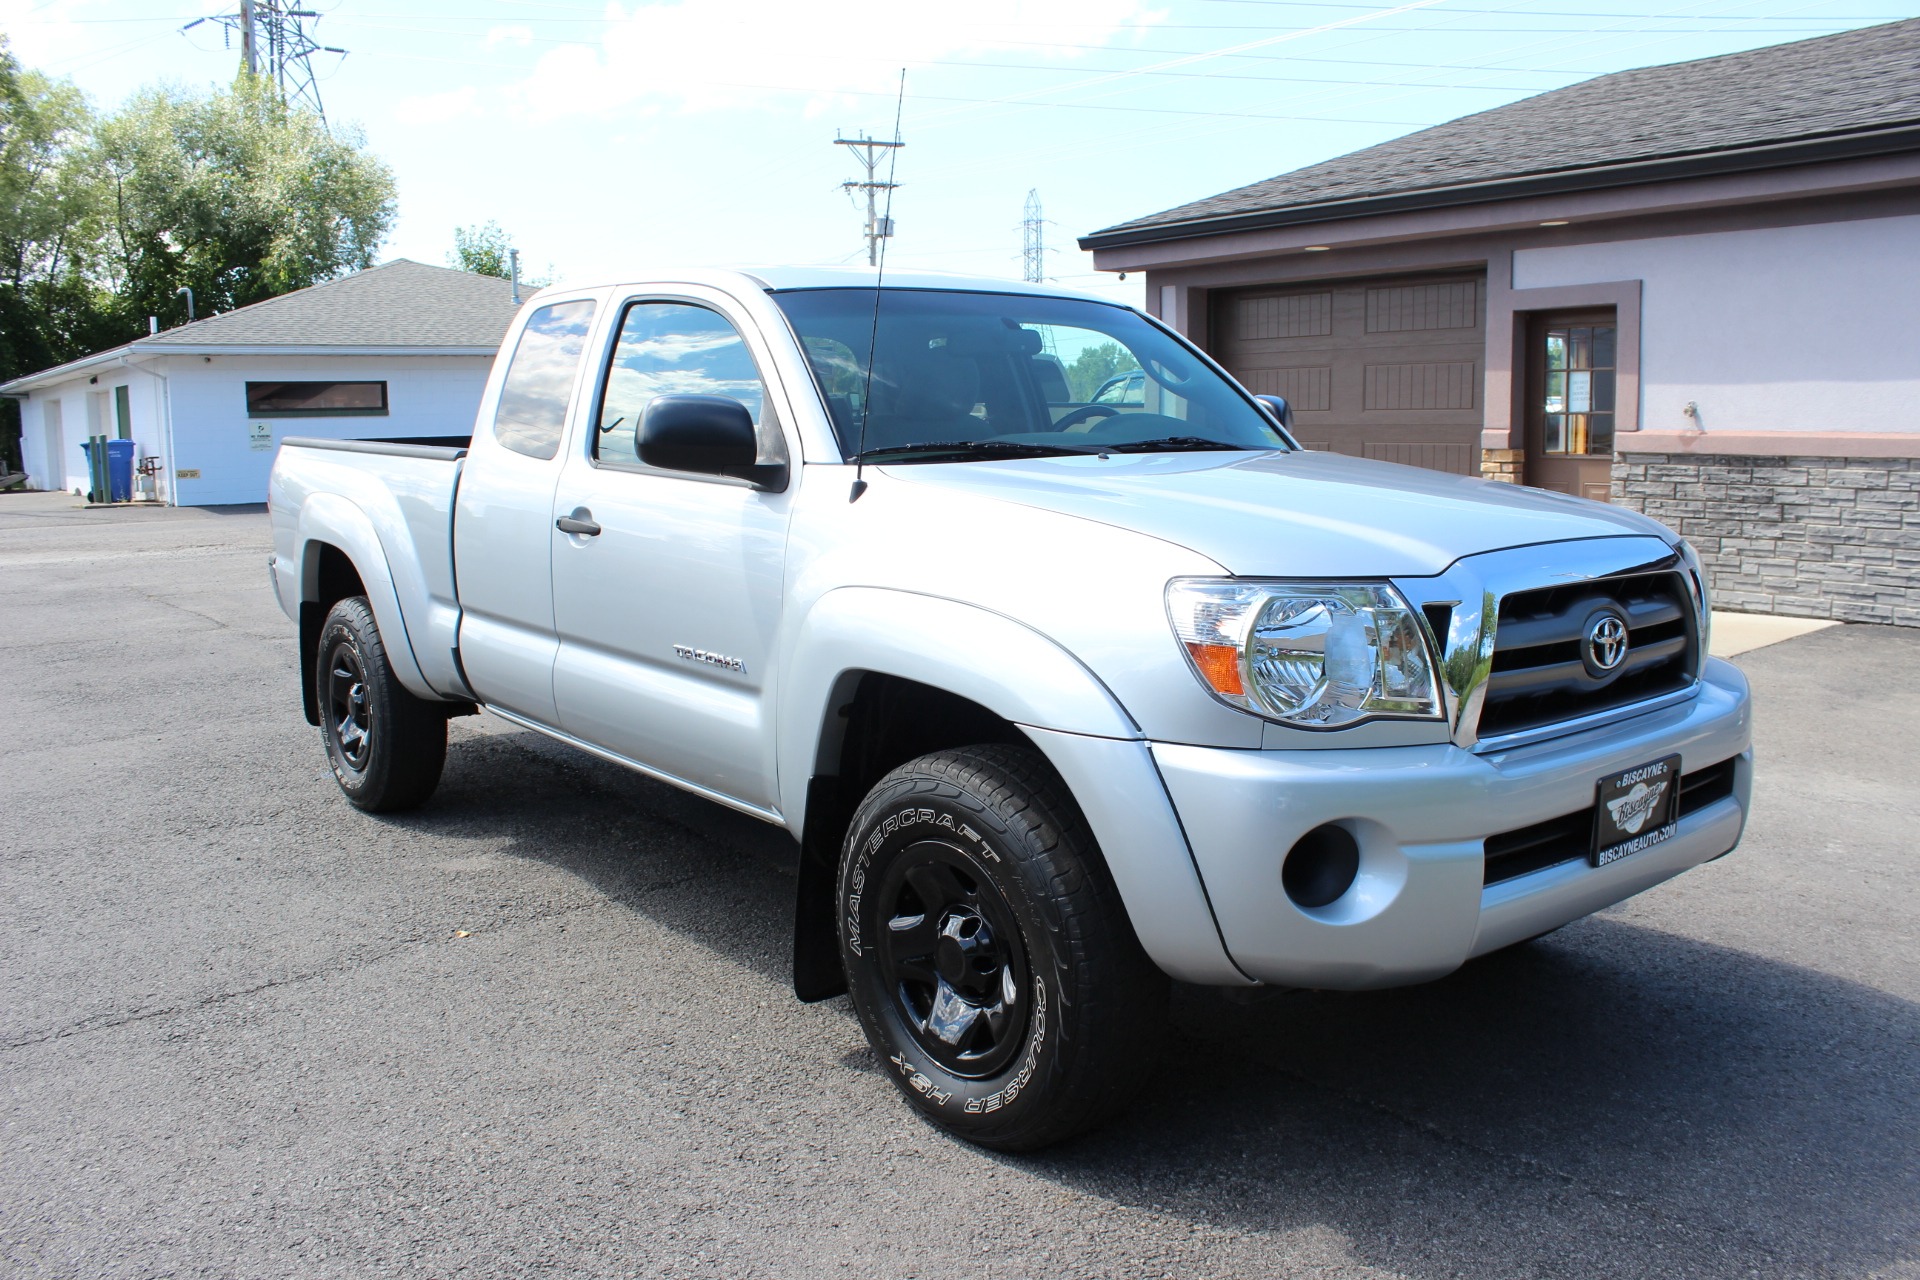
(1315, 654)
(1697, 586)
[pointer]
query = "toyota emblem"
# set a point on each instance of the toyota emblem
(1606, 643)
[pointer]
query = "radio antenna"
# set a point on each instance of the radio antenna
(880, 272)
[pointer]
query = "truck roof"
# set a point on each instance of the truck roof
(776, 278)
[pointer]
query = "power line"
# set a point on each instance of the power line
(868, 152)
(275, 43)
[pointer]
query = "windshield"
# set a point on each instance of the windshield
(960, 375)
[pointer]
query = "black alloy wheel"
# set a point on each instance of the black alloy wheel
(987, 952)
(350, 726)
(386, 746)
(952, 957)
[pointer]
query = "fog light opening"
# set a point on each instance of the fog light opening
(1321, 866)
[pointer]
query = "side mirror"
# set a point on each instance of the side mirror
(710, 435)
(1277, 406)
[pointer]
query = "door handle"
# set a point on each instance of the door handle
(580, 523)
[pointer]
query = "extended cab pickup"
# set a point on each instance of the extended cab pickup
(1061, 698)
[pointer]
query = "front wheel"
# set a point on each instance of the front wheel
(987, 952)
(386, 746)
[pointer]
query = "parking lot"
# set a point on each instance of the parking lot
(542, 1026)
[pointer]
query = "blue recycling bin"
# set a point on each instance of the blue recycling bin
(119, 469)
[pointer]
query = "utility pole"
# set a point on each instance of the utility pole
(868, 152)
(1033, 248)
(275, 43)
(249, 51)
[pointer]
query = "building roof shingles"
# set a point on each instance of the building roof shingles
(1850, 82)
(401, 303)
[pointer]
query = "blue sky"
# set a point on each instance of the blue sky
(608, 137)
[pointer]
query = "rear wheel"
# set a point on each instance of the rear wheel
(386, 746)
(988, 954)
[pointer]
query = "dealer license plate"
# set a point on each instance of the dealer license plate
(1636, 810)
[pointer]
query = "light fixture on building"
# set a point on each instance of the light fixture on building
(1554, 222)
(1318, 248)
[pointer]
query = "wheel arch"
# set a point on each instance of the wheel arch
(880, 677)
(341, 555)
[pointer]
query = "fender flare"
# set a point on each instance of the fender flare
(988, 658)
(336, 521)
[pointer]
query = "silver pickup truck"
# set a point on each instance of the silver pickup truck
(1062, 697)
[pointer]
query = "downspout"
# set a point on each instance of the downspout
(166, 422)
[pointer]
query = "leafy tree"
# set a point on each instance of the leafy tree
(487, 250)
(482, 250)
(51, 306)
(1094, 365)
(233, 195)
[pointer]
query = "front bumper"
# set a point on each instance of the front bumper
(1421, 815)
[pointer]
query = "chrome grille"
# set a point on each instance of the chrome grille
(1540, 674)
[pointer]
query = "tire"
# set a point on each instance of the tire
(386, 746)
(988, 954)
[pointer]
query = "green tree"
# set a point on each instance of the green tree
(52, 308)
(233, 195)
(482, 250)
(487, 250)
(1094, 365)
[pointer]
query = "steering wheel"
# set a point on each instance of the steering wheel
(1084, 414)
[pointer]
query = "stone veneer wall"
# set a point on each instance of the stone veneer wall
(1502, 464)
(1802, 537)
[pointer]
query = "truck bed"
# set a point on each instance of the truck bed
(392, 500)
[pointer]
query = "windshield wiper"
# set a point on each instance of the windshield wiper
(978, 449)
(1177, 443)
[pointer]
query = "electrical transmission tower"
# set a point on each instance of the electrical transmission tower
(868, 152)
(1033, 247)
(274, 43)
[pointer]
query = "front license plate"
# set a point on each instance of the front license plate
(1636, 810)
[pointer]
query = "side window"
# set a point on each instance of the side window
(539, 385)
(671, 349)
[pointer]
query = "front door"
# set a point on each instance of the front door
(666, 584)
(1570, 411)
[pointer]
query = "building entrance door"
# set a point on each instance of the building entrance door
(1570, 412)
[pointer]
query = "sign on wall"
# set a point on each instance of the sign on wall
(259, 437)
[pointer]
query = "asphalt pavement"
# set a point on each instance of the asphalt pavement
(542, 1026)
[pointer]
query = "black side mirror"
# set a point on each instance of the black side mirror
(711, 435)
(1277, 406)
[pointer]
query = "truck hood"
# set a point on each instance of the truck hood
(1291, 514)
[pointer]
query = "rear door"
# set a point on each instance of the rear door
(666, 614)
(503, 518)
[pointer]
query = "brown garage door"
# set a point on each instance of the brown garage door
(1387, 369)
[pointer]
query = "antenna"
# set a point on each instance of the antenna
(880, 271)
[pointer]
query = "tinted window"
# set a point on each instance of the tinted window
(1011, 370)
(315, 399)
(671, 349)
(539, 385)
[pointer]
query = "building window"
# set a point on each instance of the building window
(122, 412)
(316, 399)
(1578, 412)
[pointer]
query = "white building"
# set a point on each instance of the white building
(400, 351)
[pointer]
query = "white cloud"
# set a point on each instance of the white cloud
(522, 36)
(708, 54)
(438, 108)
